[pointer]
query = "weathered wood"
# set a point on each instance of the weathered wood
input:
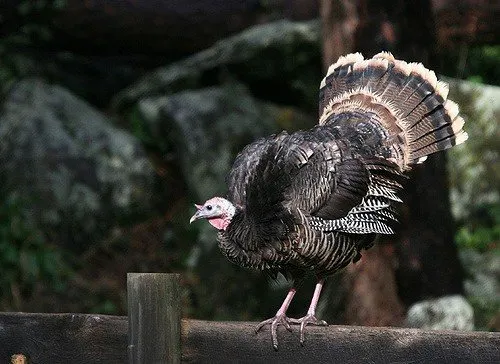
(154, 311)
(63, 338)
(224, 342)
(78, 338)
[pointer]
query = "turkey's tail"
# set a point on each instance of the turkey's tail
(399, 110)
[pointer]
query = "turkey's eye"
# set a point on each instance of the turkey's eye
(209, 207)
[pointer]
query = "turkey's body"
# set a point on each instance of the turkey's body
(285, 224)
(313, 200)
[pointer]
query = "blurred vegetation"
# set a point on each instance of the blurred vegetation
(477, 63)
(16, 63)
(28, 261)
(481, 233)
(485, 312)
(475, 180)
(475, 177)
(482, 65)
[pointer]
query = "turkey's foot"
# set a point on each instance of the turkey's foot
(274, 322)
(308, 319)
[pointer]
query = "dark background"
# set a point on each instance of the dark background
(117, 116)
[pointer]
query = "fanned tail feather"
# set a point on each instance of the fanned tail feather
(403, 102)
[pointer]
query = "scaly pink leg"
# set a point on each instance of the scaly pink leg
(280, 318)
(310, 318)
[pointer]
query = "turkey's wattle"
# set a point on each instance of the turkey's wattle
(313, 200)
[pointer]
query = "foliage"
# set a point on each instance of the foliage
(474, 63)
(483, 232)
(482, 64)
(27, 260)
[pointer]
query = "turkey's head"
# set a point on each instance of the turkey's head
(218, 211)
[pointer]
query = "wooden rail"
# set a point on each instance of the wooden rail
(153, 337)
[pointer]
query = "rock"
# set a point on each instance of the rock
(94, 78)
(280, 62)
(79, 175)
(482, 285)
(444, 313)
(208, 127)
(475, 175)
(483, 273)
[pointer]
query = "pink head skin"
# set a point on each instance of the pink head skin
(218, 211)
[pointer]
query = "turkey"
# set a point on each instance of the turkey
(311, 201)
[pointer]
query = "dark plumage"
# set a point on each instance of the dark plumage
(313, 200)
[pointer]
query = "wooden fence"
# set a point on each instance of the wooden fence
(154, 333)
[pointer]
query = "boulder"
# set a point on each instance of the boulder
(482, 285)
(280, 62)
(475, 176)
(206, 128)
(78, 174)
(444, 313)
(483, 273)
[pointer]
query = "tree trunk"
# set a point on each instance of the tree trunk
(372, 298)
(421, 260)
(428, 264)
(466, 22)
(340, 21)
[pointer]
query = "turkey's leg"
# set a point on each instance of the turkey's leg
(279, 318)
(310, 318)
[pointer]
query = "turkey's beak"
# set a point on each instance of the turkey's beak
(198, 215)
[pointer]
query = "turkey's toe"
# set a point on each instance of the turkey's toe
(274, 322)
(308, 319)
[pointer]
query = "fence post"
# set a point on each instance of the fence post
(154, 318)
